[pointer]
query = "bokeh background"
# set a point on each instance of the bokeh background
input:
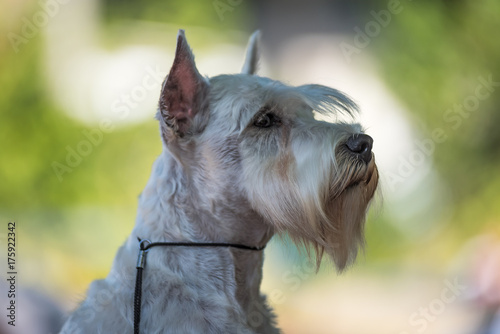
(79, 83)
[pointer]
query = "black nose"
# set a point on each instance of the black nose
(361, 145)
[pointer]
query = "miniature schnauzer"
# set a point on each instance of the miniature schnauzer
(243, 159)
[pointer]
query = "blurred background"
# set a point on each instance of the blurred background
(80, 81)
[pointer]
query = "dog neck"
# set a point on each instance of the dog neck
(172, 208)
(168, 211)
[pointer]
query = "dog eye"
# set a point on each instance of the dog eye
(267, 120)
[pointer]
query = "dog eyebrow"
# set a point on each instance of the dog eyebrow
(326, 100)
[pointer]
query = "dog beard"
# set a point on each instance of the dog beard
(324, 217)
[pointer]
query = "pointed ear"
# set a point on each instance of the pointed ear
(252, 55)
(183, 91)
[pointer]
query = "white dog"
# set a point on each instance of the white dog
(243, 158)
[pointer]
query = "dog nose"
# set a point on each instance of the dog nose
(361, 145)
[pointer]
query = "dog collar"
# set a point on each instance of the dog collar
(145, 245)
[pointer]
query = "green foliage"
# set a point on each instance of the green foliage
(217, 14)
(432, 55)
(34, 134)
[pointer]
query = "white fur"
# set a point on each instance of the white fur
(222, 179)
(252, 55)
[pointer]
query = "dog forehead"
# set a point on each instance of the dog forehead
(244, 87)
(253, 89)
(238, 97)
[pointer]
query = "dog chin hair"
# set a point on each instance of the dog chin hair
(345, 226)
(320, 220)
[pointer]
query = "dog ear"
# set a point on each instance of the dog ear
(183, 90)
(252, 55)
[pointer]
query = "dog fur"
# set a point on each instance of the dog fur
(243, 159)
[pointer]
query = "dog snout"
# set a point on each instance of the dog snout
(361, 145)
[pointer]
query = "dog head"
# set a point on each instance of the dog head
(256, 142)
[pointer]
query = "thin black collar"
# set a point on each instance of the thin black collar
(145, 245)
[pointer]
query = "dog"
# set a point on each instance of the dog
(243, 159)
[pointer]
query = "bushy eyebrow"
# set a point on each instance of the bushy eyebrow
(326, 100)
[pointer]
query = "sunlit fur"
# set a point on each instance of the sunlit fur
(220, 178)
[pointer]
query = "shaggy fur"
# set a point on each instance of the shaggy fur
(243, 159)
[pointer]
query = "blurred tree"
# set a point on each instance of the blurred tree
(438, 57)
(215, 14)
(34, 134)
